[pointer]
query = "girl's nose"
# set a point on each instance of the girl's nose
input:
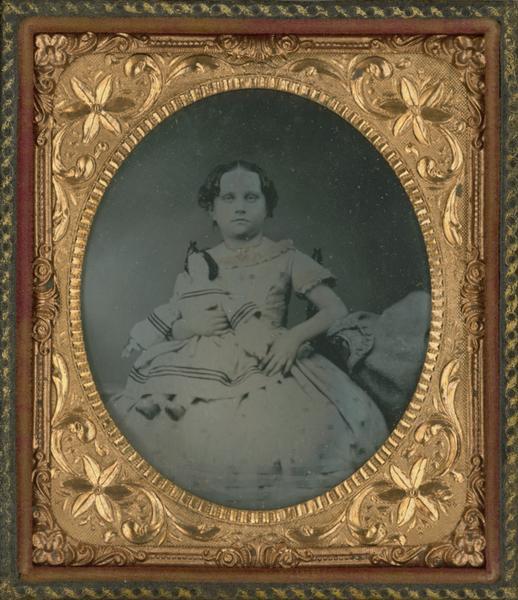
(240, 205)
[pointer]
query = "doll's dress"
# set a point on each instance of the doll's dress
(246, 439)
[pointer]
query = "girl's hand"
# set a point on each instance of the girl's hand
(255, 337)
(282, 354)
(208, 322)
(131, 346)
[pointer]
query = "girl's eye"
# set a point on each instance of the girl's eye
(228, 197)
(251, 197)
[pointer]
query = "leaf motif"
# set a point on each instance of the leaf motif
(420, 130)
(315, 66)
(435, 115)
(104, 90)
(61, 383)
(82, 504)
(119, 104)
(448, 384)
(61, 212)
(110, 122)
(409, 92)
(450, 221)
(393, 106)
(399, 478)
(78, 485)
(428, 504)
(417, 472)
(192, 64)
(117, 492)
(402, 123)
(92, 469)
(109, 474)
(104, 507)
(433, 95)
(75, 110)
(91, 127)
(406, 510)
(393, 495)
(82, 92)
(433, 487)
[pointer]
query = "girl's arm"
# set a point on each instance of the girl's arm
(330, 308)
(283, 351)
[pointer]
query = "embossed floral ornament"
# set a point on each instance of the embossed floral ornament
(50, 50)
(48, 548)
(416, 108)
(97, 105)
(470, 546)
(97, 489)
(469, 51)
(260, 48)
(411, 493)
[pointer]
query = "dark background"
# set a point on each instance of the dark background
(335, 190)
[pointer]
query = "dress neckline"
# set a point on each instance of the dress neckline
(254, 255)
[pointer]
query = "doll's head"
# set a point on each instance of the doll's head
(199, 264)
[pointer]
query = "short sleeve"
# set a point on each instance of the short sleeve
(158, 326)
(306, 274)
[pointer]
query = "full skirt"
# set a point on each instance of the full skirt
(280, 441)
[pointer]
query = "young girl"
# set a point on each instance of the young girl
(225, 400)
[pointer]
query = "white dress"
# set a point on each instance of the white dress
(204, 414)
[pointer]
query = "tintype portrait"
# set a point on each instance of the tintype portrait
(256, 299)
(264, 279)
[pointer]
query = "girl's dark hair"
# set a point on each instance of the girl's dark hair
(210, 189)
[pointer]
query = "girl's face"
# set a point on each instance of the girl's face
(240, 207)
